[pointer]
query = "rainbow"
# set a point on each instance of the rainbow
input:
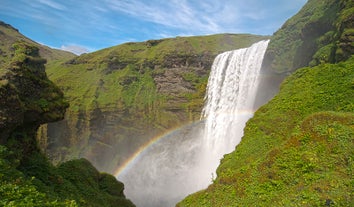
(130, 161)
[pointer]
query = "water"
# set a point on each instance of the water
(185, 160)
(231, 93)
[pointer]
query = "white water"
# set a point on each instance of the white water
(184, 161)
(231, 92)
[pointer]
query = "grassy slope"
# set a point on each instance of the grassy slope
(89, 82)
(321, 32)
(298, 148)
(10, 35)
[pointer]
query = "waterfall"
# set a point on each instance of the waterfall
(184, 161)
(230, 96)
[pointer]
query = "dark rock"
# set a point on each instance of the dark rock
(27, 96)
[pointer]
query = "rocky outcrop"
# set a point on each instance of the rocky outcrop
(27, 100)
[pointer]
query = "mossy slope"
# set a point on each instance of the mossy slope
(321, 32)
(298, 148)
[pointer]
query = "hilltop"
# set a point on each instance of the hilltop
(9, 35)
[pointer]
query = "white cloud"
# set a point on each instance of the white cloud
(52, 4)
(180, 14)
(76, 49)
(102, 23)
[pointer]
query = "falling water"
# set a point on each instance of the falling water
(185, 160)
(231, 92)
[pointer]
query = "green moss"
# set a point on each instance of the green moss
(312, 36)
(27, 178)
(297, 150)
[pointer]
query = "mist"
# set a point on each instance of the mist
(185, 160)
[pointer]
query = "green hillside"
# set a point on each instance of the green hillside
(321, 32)
(10, 35)
(297, 150)
(116, 75)
(121, 97)
(27, 178)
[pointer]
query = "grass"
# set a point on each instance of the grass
(318, 34)
(102, 76)
(298, 148)
(10, 35)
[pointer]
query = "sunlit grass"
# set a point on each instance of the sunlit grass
(298, 148)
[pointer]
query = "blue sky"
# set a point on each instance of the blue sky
(89, 25)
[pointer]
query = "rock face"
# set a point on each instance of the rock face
(123, 96)
(27, 97)
(27, 100)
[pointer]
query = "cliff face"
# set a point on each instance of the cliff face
(121, 97)
(27, 96)
(27, 100)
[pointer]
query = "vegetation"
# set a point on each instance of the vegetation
(27, 178)
(122, 73)
(10, 35)
(124, 95)
(297, 150)
(35, 182)
(322, 32)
